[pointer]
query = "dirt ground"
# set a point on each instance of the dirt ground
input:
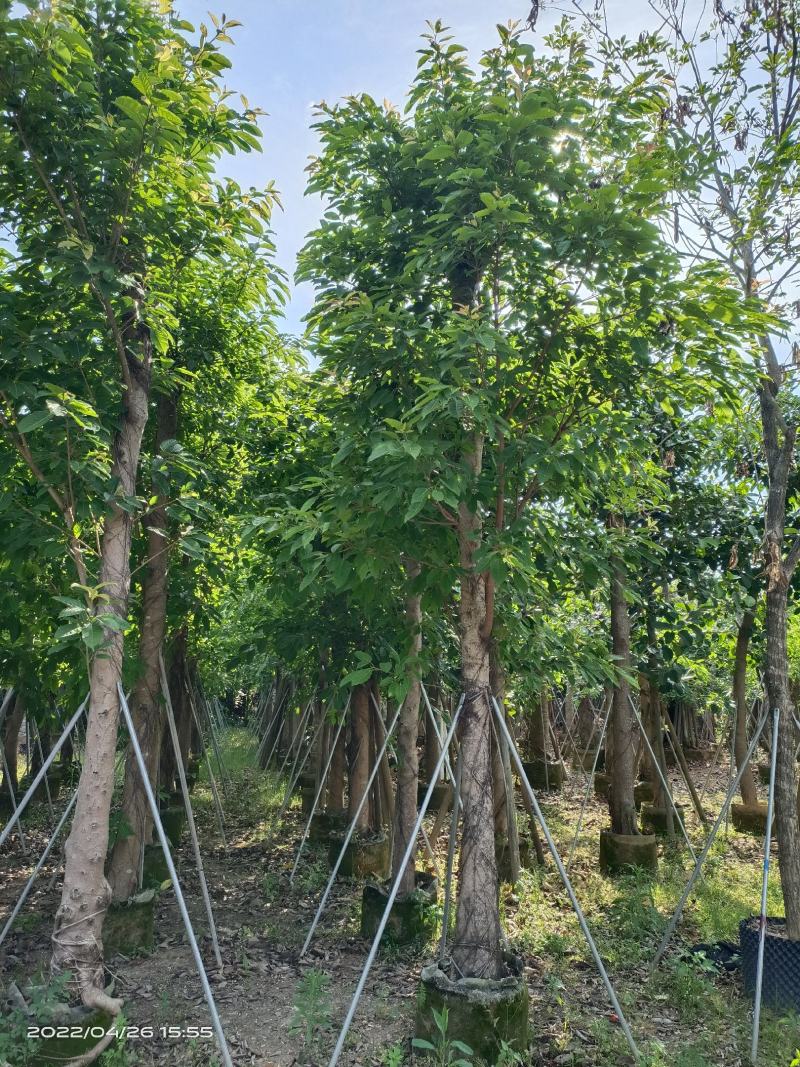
(262, 921)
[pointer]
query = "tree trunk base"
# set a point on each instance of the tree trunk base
(602, 784)
(781, 983)
(482, 1012)
(173, 819)
(654, 820)
(546, 774)
(750, 818)
(192, 772)
(643, 793)
(620, 852)
(154, 869)
(413, 917)
(308, 792)
(503, 855)
(327, 825)
(440, 791)
(55, 780)
(364, 857)
(697, 755)
(583, 759)
(54, 1050)
(128, 928)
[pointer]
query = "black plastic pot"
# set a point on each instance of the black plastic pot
(781, 983)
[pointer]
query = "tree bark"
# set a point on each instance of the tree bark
(585, 723)
(510, 828)
(476, 946)
(623, 722)
(431, 747)
(334, 799)
(741, 741)
(405, 806)
(538, 747)
(147, 704)
(359, 761)
(13, 725)
(779, 442)
(77, 936)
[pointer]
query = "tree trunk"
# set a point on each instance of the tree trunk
(623, 722)
(359, 762)
(538, 747)
(334, 800)
(476, 946)
(747, 785)
(585, 723)
(85, 895)
(147, 704)
(506, 784)
(13, 725)
(384, 770)
(779, 442)
(431, 747)
(405, 806)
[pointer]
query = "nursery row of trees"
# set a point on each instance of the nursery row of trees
(547, 445)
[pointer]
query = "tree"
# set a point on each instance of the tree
(224, 328)
(734, 122)
(493, 290)
(111, 123)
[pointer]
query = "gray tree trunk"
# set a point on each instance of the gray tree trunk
(147, 705)
(624, 731)
(85, 895)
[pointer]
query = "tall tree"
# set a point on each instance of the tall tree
(493, 290)
(733, 114)
(111, 124)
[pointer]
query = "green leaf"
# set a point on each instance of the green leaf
(33, 421)
(357, 677)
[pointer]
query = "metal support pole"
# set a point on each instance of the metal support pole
(29, 884)
(38, 738)
(214, 745)
(300, 727)
(392, 897)
(665, 940)
(211, 779)
(10, 788)
(212, 1007)
(451, 857)
(294, 777)
(198, 859)
(762, 919)
(731, 767)
(348, 836)
(265, 722)
(439, 738)
(42, 772)
(280, 702)
(9, 693)
(589, 784)
(680, 759)
(318, 794)
(662, 777)
(567, 884)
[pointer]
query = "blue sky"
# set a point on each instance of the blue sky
(290, 54)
